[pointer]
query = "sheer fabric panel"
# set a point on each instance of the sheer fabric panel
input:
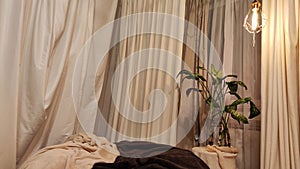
(145, 48)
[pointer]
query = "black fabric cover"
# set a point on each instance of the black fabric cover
(146, 155)
(140, 149)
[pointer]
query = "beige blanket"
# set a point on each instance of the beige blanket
(80, 151)
(219, 151)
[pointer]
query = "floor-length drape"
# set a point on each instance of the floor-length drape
(9, 61)
(141, 91)
(242, 59)
(40, 41)
(39, 45)
(280, 134)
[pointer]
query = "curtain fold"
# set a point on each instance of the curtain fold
(135, 111)
(45, 110)
(9, 62)
(39, 46)
(280, 86)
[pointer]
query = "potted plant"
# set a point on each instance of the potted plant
(214, 93)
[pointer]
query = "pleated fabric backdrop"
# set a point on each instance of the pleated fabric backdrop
(280, 132)
(40, 42)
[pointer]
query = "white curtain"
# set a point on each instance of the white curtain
(9, 61)
(280, 133)
(39, 43)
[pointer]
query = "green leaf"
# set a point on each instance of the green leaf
(216, 76)
(242, 84)
(229, 108)
(198, 76)
(241, 101)
(189, 90)
(215, 73)
(238, 117)
(233, 85)
(185, 72)
(220, 74)
(223, 133)
(208, 100)
(188, 77)
(201, 68)
(213, 69)
(254, 111)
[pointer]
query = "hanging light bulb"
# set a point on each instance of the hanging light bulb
(255, 20)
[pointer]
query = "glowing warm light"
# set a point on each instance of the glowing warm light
(254, 23)
(255, 19)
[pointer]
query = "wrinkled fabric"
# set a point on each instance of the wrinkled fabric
(51, 34)
(147, 155)
(220, 151)
(79, 152)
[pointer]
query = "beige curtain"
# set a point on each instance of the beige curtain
(116, 119)
(9, 61)
(143, 104)
(222, 21)
(280, 134)
(242, 59)
(39, 43)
